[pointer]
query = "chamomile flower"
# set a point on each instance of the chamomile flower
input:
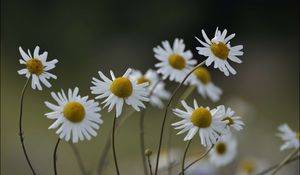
(224, 151)
(202, 120)
(158, 87)
(118, 90)
(218, 50)
(201, 78)
(37, 67)
(175, 63)
(231, 120)
(76, 116)
(290, 137)
(251, 166)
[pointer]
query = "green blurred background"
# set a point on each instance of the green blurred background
(87, 36)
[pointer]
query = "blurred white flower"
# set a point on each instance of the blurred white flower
(37, 67)
(232, 121)
(218, 50)
(251, 166)
(291, 138)
(76, 115)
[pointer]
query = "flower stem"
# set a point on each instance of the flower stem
(287, 158)
(166, 112)
(78, 158)
(55, 156)
(20, 126)
(149, 164)
(184, 155)
(113, 144)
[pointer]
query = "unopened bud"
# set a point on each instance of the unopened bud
(148, 152)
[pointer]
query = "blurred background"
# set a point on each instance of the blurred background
(88, 36)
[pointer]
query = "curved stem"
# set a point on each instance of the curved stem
(149, 164)
(184, 155)
(55, 157)
(78, 158)
(281, 164)
(142, 141)
(113, 144)
(20, 126)
(166, 112)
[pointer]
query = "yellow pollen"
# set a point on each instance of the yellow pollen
(177, 61)
(35, 66)
(230, 121)
(201, 117)
(143, 80)
(203, 75)
(220, 50)
(298, 135)
(221, 148)
(248, 167)
(121, 87)
(74, 112)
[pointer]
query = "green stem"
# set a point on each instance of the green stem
(113, 144)
(184, 155)
(55, 156)
(282, 163)
(149, 164)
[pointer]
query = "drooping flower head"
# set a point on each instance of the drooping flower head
(175, 63)
(155, 84)
(37, 67)
(231, 120)
(118, 90)
(219, 50)
(291, 138)
(202, 120)
(76, 116)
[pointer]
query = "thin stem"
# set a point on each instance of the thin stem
(166, 112)
(113, 144)
(275, 166)
(281, 164)
(149, 164)
(55, 156)
(184, 155)
(78, 158)
(21, 133)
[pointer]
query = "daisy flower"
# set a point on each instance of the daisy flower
(75, 115)
(175, 63)
(199, 119)
(290, 137)
(119, 90)
(37, 67)
(201, 78)
(158, 87)
(224, 151)
(251, 166)
(231, 120)
(218, 50)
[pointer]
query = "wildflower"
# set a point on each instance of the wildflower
(199, 119)
(251, 166)
(37, 67)
(158, 87)
(232, 121)
(290, 137)
(218, 50)
(175, 63)
(201, 78)
(118, 90)
(74, 114)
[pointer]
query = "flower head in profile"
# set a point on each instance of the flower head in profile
(201, 78)
(120, 90)
(156, 86)
(202, 120)
(224, 151)
(219, 50)
(231, 120)
(76, 116)
(291, 138)
(175, 63)
(37, 67)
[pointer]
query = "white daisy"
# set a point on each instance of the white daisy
(119, 90)
(231, 120)
(158, 87)
(251, 166)
(175, 63)
(224, 151)
(199, 119)
(218, 50)
(290, 137)
(75, 115)
(201, 78)
(37, 67)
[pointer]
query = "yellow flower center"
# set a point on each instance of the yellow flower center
(201, 117)
(121, 87)
(221, 148)
(177, 61)
(203, 75)
(74, 112)
(35, 66)
(298, 135)
(248, 167)
(142, 80)
(230, 121)
(220, 50)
